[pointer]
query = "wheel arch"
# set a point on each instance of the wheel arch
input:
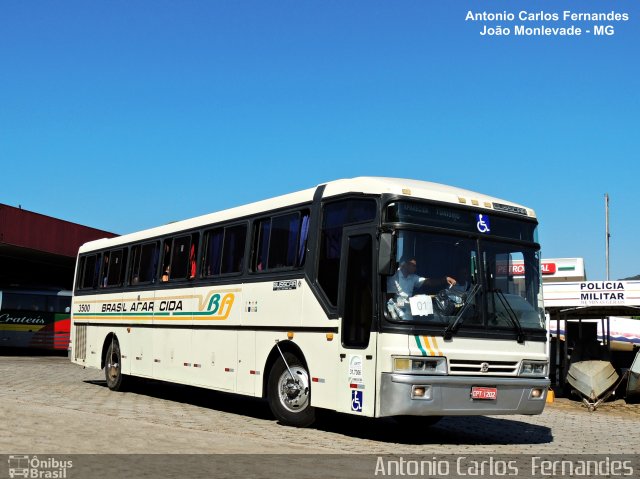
(286, 347)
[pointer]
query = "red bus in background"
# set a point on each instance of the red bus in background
(33, 318)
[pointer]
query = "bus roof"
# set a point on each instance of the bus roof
(363, 184)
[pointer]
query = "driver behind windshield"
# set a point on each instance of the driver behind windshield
(404, 283)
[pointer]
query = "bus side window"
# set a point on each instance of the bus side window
(283, 245)
(58, 303)
(280, 242)
(12, 301)
(223, 250)
(115, 275)
(212, 256)
(90, 271)
(180, 257)
(38, 302)
(233, 249)
(148, 262)
(144, 263)
(183, 258)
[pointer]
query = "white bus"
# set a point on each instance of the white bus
(299, 299)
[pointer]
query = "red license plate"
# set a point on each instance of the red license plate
(484, 393)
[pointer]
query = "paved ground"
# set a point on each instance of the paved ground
(50, 406)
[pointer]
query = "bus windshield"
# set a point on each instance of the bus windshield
(460, 282)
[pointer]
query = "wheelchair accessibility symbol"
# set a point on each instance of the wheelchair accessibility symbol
(356, 401)
(482, 223)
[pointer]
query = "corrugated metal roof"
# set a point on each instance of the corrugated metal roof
(26, 229)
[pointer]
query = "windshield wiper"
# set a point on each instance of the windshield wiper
(513, 317)
(453, 326)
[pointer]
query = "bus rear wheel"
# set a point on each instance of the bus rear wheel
(113, 367)
(290, 397)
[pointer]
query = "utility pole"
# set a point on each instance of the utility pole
(606, 211)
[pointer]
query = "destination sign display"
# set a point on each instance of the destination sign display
(484, 222)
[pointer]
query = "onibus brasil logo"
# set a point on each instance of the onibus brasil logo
(33, 467)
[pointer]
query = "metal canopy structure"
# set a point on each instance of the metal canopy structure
(592, 312)
(38, 250)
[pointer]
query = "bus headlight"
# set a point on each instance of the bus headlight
(421, 365)
(533, 368)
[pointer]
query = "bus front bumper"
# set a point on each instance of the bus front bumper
(452, 395)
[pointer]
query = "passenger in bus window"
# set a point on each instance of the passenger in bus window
(166, 262)
(96, 274)
(105, 271)
(192, 261)
(404, 283)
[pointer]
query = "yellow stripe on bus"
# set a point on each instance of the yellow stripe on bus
(435, 346)
(431, 344)
(21, 327)
(202, 301)
(150, 318)
(428, 346)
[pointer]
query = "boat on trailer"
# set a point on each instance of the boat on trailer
(594, 380)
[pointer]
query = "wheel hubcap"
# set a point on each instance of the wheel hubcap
(294, 393)
(113, 367)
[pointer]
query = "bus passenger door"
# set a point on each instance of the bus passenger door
(356, 362)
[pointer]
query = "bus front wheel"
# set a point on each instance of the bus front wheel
(113, 367)
(289, 392)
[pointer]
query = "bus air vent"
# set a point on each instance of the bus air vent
(80, 344)
(483, 367)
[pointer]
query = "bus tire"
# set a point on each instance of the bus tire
(289, 400)
(113, 367)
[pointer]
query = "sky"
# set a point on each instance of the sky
(124, 115)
